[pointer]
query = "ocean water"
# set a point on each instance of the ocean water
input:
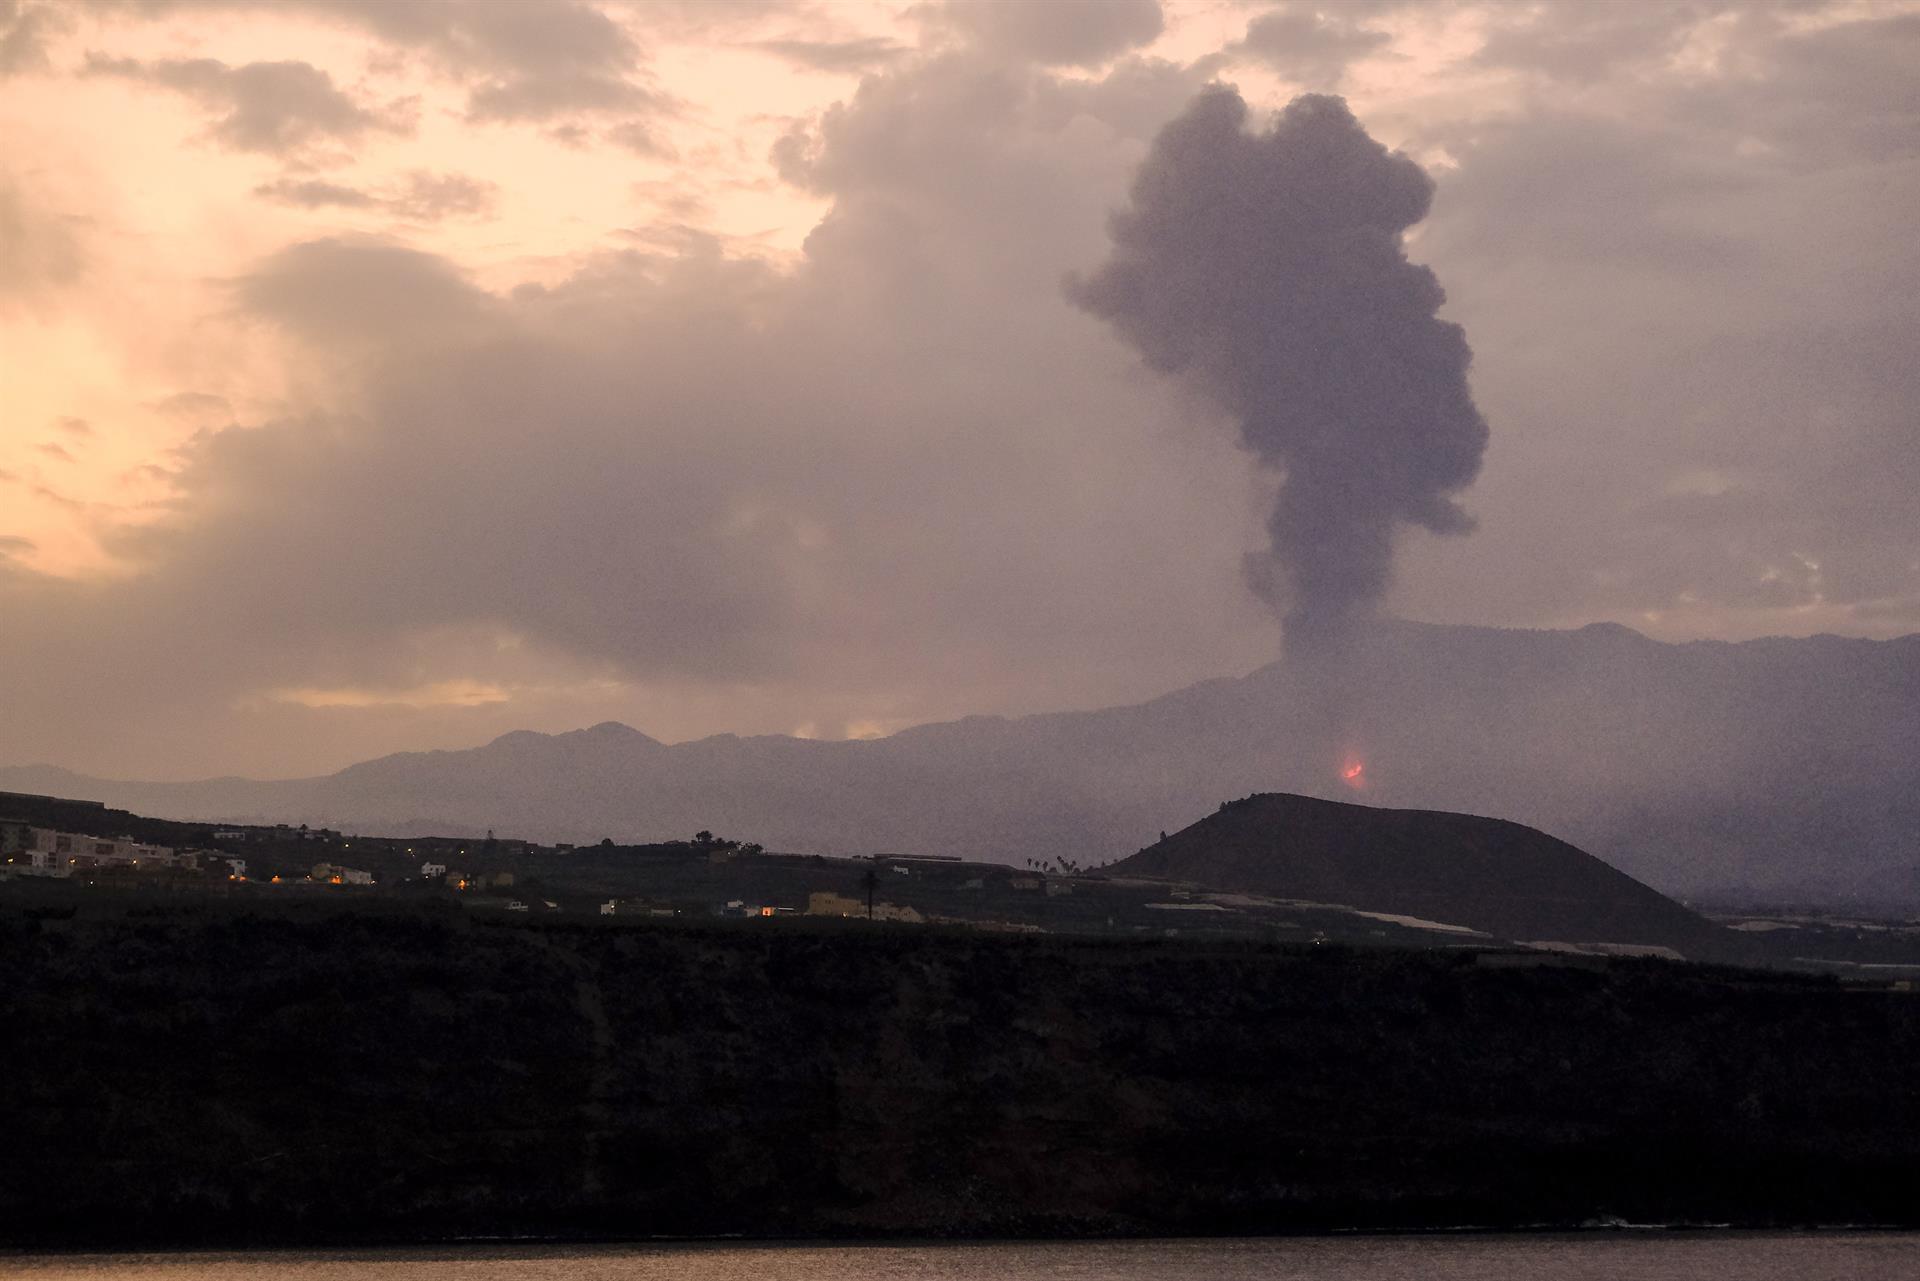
(1611, 1256)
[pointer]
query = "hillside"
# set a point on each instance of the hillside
(1507, 880)
(1778, 769)
(789, 1080)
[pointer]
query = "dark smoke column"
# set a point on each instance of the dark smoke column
(1268, 269)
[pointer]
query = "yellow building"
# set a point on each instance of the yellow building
(827, 903)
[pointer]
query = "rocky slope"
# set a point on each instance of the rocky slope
(1499, 877)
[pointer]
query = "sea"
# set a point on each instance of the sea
(1601, 1256)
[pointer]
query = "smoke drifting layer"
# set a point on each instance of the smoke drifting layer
(1268, 268)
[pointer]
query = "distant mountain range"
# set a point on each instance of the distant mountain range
(1778, 769)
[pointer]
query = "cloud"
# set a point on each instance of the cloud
(543, 98)
(77, 428)
(1308, 44)
(191, 404)
(512, 476)
(679, 200)
(1057, 33)
(838, 57)
(523, 62)
(440, 694)
(24, 30)
(13, 548)
(315, 193)
(642, 140)
(58, 452)
(554, 38)
(354, 293)
(272, 107)
(1840, 92)
(420, 196)
(1587, 42)
(1696, 275)
(430, 197)
(680, 474)
(39, 249)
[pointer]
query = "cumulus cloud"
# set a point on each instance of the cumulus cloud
(352, 294)
(272, 107)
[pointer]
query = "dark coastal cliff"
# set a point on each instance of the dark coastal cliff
(184, 1076)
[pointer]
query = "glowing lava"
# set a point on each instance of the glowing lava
(1354, 775)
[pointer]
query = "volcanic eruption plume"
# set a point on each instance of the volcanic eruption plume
(1268, 269)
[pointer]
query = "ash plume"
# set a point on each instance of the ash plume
(1268, 269)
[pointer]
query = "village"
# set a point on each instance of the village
(705, 876)
(62, 855)
(84, 852)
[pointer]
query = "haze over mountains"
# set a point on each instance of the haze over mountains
(1779, 768)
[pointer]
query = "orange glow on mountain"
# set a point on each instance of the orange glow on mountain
(1354, 774)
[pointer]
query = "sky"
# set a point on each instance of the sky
(390, 376)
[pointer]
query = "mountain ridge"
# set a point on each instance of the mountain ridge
(1786, 768)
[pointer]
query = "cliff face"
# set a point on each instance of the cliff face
(1508, 880)
(199, 1078)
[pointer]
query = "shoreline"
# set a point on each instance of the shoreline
(1543, 1231)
